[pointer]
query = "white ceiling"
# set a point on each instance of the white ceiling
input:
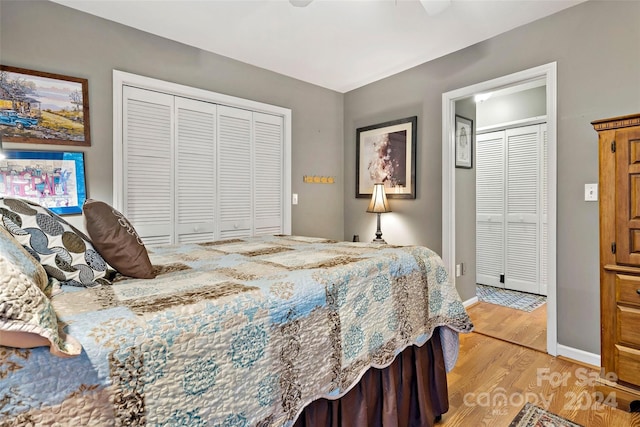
(336, 44)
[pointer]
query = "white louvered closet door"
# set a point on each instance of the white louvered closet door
(234, 172)
(490, 208)
(544, 238)
(190, 169)
(268, 174)
(523, 184)
(148, 167)
(195, 184)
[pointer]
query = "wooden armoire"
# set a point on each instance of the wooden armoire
(619, 153)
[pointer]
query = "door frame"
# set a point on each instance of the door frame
(547, 72)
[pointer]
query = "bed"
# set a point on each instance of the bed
(262, 331)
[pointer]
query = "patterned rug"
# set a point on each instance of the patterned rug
(533, 416)
(508, 298)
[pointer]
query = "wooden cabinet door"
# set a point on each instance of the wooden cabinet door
(628, 196)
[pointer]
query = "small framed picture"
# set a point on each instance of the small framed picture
(464, 142)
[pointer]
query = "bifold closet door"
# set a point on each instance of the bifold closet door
(148, 164)
(268, 178)
(544, 232)
(523, 215)
(490, 177)
(250, 173)
(195, 171)
(511, 209)
(195, 181)
(234, 172)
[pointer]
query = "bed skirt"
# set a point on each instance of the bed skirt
(411, 392)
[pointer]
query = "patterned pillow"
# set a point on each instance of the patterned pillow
(65, 253)
(116, 240)
(27, 318)
(13, 251)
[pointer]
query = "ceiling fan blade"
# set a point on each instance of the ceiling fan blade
(300, 3)
(433, 7)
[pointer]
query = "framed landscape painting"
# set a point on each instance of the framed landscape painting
(386, 153)
(43, 108)
(53, 179)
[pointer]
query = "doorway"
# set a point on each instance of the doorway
(546, 74)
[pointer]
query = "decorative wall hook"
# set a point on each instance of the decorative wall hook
(316, 179)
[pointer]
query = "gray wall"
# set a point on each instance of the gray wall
(466, 212)
(595, 45)
(49, 37)
(514, 106)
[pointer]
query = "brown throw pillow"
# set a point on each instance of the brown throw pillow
(116, 240)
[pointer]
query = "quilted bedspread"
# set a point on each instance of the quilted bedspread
(231, 333)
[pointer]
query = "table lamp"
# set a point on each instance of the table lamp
(378, 205)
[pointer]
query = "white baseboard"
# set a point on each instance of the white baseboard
(562, 350)
(470, 301)
(579, 355)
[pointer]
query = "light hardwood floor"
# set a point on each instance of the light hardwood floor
(510, 324)
(493, 379)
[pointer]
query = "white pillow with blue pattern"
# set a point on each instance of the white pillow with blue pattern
(65, 252)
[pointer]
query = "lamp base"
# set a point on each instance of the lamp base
(378, 238)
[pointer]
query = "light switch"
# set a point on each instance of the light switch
(591, 192)
(294, 199)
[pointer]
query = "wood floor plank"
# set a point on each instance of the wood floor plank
(525, 328)
(493, 379)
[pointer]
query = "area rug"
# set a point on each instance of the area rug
(508, 298)
(533, 416)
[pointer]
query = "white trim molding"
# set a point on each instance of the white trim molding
(471, 301)
(510, 125)
(579, 355)
(545, 73)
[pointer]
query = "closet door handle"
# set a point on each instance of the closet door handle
(638, 291)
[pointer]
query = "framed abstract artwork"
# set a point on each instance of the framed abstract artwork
(53, 179)
(43, 108)
(464, 142)
(386, 153)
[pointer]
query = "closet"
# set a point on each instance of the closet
(511, 208)
(619, 162)
(196, 171)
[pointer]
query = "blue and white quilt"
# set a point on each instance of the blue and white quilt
(242, 332)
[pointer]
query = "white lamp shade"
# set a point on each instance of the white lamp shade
(379, 203)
